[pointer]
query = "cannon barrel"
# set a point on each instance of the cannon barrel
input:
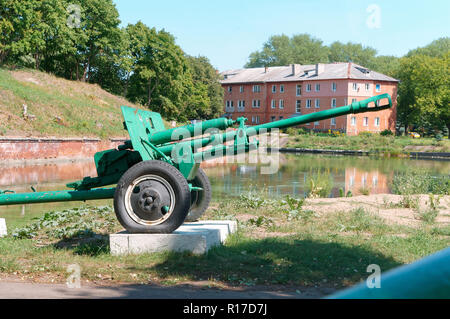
(368, 105)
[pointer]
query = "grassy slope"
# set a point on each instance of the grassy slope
(84, 110)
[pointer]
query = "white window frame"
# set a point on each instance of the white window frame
(317, 87)
(367, 87)
(282, 88)
(241, 89)
(355, 86)
(376, 121)
(308, 87)
(366, 121)
(298, 106)
(317, 103)
(274, 89)
(256, 104)
(353, 121)
(333, 121)
(256, 88)
(298, 90)
(333, 103)
(230, 88)
(354, 100)
(316, 123)
(333, 86)
(273, 104)
(308, 103)
(273, 118)
(281, 104)
(378, 87)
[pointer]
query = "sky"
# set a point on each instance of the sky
(228, 31)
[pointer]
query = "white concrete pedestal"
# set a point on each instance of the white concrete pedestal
(196, 237)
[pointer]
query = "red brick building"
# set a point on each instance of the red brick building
(268, 94)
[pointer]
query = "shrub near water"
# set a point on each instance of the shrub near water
(420, 182)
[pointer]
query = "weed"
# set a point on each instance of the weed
(319, 185)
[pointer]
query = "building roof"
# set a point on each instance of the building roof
(303, 72)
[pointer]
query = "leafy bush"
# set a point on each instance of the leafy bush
(420, 183)
(386, 133)
(319, 185)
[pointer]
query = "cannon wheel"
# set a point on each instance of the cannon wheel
(152, 197)
(199, 199)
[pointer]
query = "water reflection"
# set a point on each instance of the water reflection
(355, 174)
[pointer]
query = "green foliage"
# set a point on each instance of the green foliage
(432, 210)
(319, 184)
(386, 133)
(293, 209)
(138, 62)
(420, 182)
(75, 222)
(424, 93)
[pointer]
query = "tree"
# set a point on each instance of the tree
(437, 48)
(282, 50)
(354, 52)
(161, 77)
(424, 92)
(207, 78)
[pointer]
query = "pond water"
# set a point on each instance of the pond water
(348, 173)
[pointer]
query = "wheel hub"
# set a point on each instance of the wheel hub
(151, 199)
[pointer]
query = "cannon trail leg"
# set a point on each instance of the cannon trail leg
(152, 197)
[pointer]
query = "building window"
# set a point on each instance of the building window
(281, 88)
(281, 104)
(298, 106)
(317, 87)
(333, 121)
(255, 119)
(299, 90)
(366, 121)
(378, 87)
(230, 88)
(256, 88)
(241, 89)
(316, 123)
(333, 103)
(274, 89)
(256, 103)
(280, 117)
(377, 121)
(230, 107)
(333, 86)
(355, 86)
(308, 104)
(273, 118)
(241, 105)
(353, 121)
(317, 103)
(274, 104)
(308, 87)
(367, 86)
(354, 100)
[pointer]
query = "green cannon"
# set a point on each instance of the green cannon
(159, 182)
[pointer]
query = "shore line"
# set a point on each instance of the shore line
(417, 155)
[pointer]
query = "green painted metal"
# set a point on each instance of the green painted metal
(427, 278)
(149, 140)
(56, 196)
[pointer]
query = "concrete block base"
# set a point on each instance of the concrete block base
(196, 237)
(3, 231)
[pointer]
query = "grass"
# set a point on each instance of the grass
(373, 143)
(278, 242)
(61, 108)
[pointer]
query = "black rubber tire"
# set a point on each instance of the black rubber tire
(180, 188)
(199, 199)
